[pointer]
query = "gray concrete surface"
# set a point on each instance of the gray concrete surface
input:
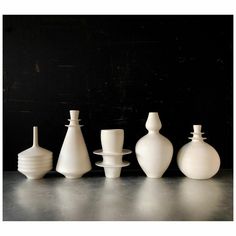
(134, 198)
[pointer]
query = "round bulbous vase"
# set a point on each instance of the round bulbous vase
(154, 151)
(197, 159)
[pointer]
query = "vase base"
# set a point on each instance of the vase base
(112, 177)
(112, 172)
(73, 176)
(199, 178)
(34, 177)
(154, 176)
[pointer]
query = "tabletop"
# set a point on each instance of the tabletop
(128, 198)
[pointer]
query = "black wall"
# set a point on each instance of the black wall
(115, 69)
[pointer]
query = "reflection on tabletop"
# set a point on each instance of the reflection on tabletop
(125, 198)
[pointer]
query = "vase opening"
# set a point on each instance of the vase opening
(112, 130)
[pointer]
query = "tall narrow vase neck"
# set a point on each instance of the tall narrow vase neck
(35, 136)
(153, 123)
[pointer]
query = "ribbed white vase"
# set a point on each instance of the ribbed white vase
(36, 161)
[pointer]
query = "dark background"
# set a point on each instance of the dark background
(115, 69)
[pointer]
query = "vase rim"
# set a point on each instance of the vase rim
(111, 130)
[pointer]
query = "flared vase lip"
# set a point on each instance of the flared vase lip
(74, 114)
(111, 130)
(197, 128)
(153, 112)
(74, 110)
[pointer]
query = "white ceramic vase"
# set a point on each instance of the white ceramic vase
(154, 151)
(36, 161)
(112, 152)
(197, 159)
(73, 159)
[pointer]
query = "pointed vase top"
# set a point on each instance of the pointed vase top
(153, 123)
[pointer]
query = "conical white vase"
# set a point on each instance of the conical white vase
(73, 160)
(154, 151)
(197, 159)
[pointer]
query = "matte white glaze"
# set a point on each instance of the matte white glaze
(197, 159)
(73, 161)
(112, 151)
(36, 161)
(154, 151)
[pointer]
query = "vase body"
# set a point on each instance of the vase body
(154, 151)
(197, 159)
(73, 159)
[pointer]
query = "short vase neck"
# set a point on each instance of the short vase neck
(153, 132)
(197, 134)
(197, 140)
